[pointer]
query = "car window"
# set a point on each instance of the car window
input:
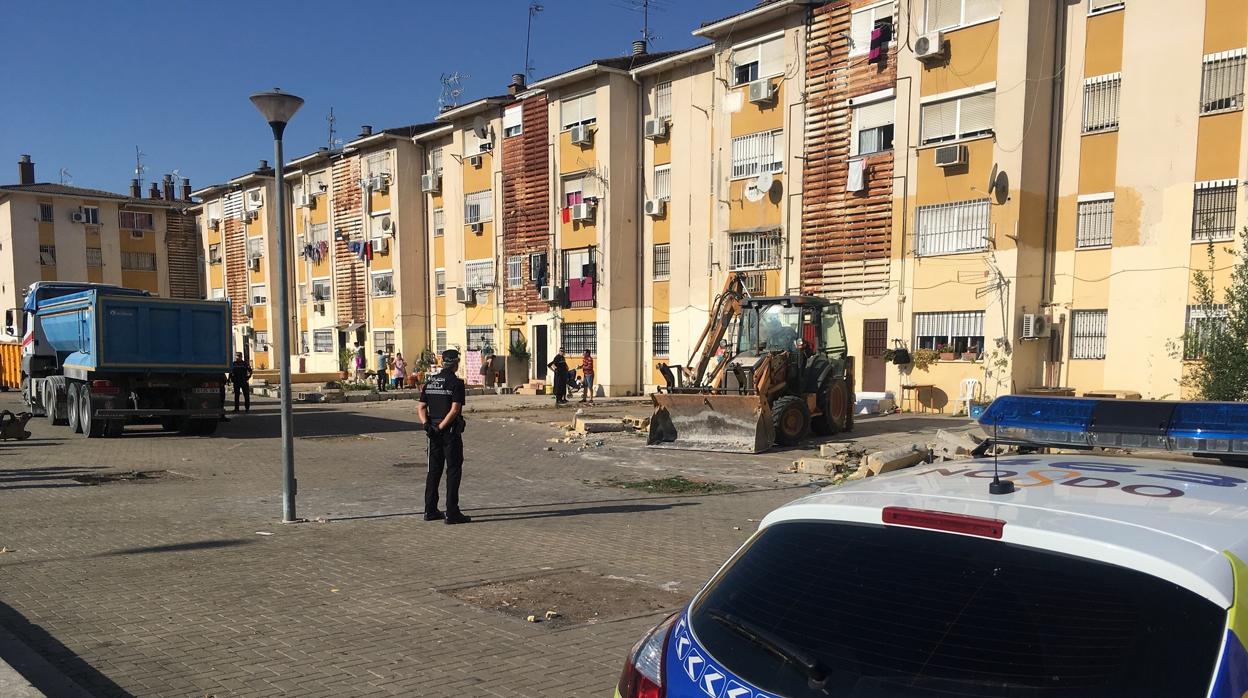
(888, 612)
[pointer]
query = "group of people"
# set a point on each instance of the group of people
(566, 381)
(390, 370)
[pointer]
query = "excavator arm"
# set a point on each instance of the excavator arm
(724, 310)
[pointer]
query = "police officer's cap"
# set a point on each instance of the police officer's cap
(450, 356)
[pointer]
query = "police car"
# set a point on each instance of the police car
(1057, 575)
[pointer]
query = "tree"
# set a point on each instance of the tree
(1216, 338)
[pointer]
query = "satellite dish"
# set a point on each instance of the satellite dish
(757, 190)
(992, 180)
(481, 127)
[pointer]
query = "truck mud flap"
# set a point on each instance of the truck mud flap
(704, 422)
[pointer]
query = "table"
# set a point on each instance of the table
(915, 393)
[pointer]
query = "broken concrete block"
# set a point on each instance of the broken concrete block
(637, 422)
(598, 426)
(892, 459)
(821, 466)
(835, 449)
(958, 444)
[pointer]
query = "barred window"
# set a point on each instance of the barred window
(95, 257)
(515, 271)
(379, 163)
(439, 222)
(303, 342)
(439, 340)
(322, 290)
(479, 273)
(47, 255)
(663, 182)
(383, 340)
(1100, 102)
(578, 337)
(478, 206)
(662, 262)
(1222, 81)
(663, 100)
(135, 220)
(960, 226)
(322, 341)
(439, 282)
(255, 247)
(957, 331)
(1087, 333)
(138, 261)
(216, 293)
(1204, 322)
(480, 337)
(435, 161)
(45, 213)
(318, 233)
(662, 339)
(383, 283)
(91, 215)
(262, 340)
(1095, 6)
(757, 152)
(1213, 213)
(754, 251)
(960, 117)
(1095, 222)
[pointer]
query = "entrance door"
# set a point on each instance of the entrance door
(874, 342)
(539, 351)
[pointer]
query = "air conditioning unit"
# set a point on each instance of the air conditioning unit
(1036, 326)
(547, 294)
(583, 212)
(78, 217)
(250, 216)
(431, 183)
(931, 47)
(306, 201)
(254, 263)
(950, 155)
(379, 183)
(478, 228)
(761, 92)
(475, 160)
(246, 309)
(467, 296)
(656, 207)
(656, 129)
(381, 245)
(582, 134)
(214, 223)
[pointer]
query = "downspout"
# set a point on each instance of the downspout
(1048, 277)
(640, 344)
(426, 242)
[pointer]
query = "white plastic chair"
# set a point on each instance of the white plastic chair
(969, 391)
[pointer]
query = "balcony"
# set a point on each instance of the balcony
(580, 292)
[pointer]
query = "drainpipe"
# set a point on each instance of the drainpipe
(641, 247)
(1047, 279)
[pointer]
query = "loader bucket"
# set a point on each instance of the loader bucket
(703, 422)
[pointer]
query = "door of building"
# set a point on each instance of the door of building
(874, 342)
(539, 351)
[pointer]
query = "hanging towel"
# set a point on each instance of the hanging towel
(567, 214)
(581, 289)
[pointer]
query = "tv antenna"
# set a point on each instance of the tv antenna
(452, 89)
(66, 177)
(139, 167)
(332, 120)
(644, 7)
(534, 8)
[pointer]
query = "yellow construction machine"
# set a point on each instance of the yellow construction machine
(766, 370)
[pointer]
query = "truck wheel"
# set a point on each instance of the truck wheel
(52, 409)
(72, 407)
(791, 419)
(92, 426)
(186, 426)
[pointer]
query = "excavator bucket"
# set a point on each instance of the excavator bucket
(704, 422)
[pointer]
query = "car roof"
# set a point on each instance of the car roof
(1176, 520)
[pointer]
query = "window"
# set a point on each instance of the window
(474, 145)
(946, 14)
(318, 182)
(435, 161)
(479, 273)
(663, 100)
(757, 152)
(378, 163)
(136, 220)
(578, 110)
(439, 222)
(1096, 6)
(322, 341)
(303, 342)
(91, 215)
(303, 293)
(763, 58)
(513, 120)
(95, 257)
(537, 268)
(383, 283)
(1100, 102)
(45, 213)
(662, 262)
(873, 126)
(663, 182)
(515, 271)
(662, 339)
(578, 188)
(217, 293)
(1095, 221)
(1222, 81)
(958, 332)
(296, 194)
(959, 117)
(480, 337)
(255, 248)
(321, 290)
(439, 340)
(754, 251)
(577, 264)
(1213, 215)
(47, 255)
(862, 23)
(259, 294)
(439, 282)
(138, 261)
(960, 226)
(1203, 324)
(478, 206)
(1087, 334)
(576, 338)
(318, 233)
(214, 253)
(262, 341)
(383, 340)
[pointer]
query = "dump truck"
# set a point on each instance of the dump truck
(766, 370)
(98, 357)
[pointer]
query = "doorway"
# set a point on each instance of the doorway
(539, 351)
(874, 342)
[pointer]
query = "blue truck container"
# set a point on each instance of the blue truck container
(99, 357)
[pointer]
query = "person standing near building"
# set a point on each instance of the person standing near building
(440, 411)
(360, 363)
(400, 369)
(560, 367)
(381, 370)
(240, 376)
(587, 377)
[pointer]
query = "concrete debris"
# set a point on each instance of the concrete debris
(836, 449)
(892, 459)
(951, 445)
(598, 426)
(822, 466)
(532, 619)
(551, 615)
(638, 423)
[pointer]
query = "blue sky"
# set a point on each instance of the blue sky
(88, 80)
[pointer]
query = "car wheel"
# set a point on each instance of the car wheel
(791, 419)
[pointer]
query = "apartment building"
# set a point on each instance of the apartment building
(57, 232)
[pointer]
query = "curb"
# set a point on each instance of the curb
(24, 673)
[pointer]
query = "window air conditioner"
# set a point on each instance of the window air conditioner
(1036, 326)
(950, 155)
(254, 263)
(583, 212)
(656, 129)
(582, 134)
(381, 245)
(319, 308)
(761, 91)
(214, 223)
(475, 160)
(246, 309)
(379, 183)
(547, 294)
(431, 183)
(78, 217)
(656, 207)
(465, 296)
(478, 228)
(930, 47)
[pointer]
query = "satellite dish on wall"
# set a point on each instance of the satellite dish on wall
(757, 189)
(992, 180)
(481, 127)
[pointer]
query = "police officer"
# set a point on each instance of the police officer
(440, 411)
(240, 376)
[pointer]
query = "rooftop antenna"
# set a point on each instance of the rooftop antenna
(998, 486)
(534, 8)
(332, 119)
(139, 167)
(66, 177)
(452, 88)
(644, 7)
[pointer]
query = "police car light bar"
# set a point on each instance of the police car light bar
(1214, 428)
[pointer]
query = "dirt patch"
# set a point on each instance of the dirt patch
(412, 464)
(343, 437)
(574, 596)
(674, 485)
(129, 476)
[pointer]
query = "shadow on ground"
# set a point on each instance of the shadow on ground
(47, 664)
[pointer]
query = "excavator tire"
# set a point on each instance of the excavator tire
(835, 404)
(791, 419)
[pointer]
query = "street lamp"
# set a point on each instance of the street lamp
(277, 107)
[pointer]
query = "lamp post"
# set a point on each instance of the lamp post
(277, 107)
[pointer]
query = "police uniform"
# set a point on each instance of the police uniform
(446, 448)
(240, 376)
